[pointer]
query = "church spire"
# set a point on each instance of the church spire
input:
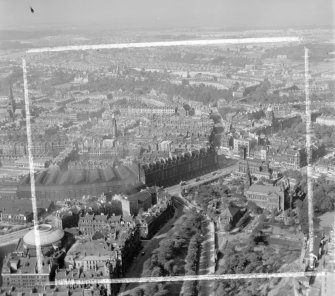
(11, 103)
(114, 126)
(248, 175)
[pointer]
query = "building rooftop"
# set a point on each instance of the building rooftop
(90, 249)
(141, 196)
(265, 189)
(47, 235)
(20, 206)
(73, 176)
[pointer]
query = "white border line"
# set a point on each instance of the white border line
(166, 44)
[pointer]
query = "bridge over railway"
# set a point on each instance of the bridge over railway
(210, 178)
(204, 179)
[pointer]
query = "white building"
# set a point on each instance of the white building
(165, 146)
(326, 120)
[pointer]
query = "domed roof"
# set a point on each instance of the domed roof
(48, 235)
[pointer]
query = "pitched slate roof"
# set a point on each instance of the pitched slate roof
(21, 206)
(73, 176)
(231, 211)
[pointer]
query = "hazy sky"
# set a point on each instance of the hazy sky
(166, 13)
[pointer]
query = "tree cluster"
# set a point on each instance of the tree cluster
(164, 260)
(323, 193)
(227, 109)
(294, 131)
(318, 51)
(152, 289)
(192, 264)
(244, 262)
(326, 134)
(244, 219)
(202, 93)
(205, 194)
(168, 258)
(193, 255)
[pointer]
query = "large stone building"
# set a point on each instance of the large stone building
(268, 197)
(140, 200)
(126, 205)
(105, 254)
(151, 220)
(20, 268)
(91, 259)
(8, 188)
(90, 224)
(17, 149)
(20, 211)
(294, 158)
(326, 120)
(148, 110)
(171, 171)
(257, 167)
(121, 231)
(231, 215)
(49, 237)
(243, 147)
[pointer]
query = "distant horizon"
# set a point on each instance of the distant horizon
(149, 34)
(103, 27)
(162, 14)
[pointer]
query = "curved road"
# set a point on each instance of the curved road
(13, 236)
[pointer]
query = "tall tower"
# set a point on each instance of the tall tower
(11, 104)
(248, 179)
(271, 117)
(270, 114)
(114, 126)
(117, 70)
(57, 222)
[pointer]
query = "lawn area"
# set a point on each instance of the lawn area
(285, 244)
(327, 220)
(290, 232)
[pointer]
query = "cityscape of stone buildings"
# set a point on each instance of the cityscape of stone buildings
(106, 158)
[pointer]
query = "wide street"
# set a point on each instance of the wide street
(176, 189)
(12, 237)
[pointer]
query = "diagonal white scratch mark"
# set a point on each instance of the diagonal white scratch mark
(207, 277)
(31, 168)
(309, 161)
(167, 43)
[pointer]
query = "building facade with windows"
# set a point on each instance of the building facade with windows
(268, 197)
(175, 169)
(257, 167)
